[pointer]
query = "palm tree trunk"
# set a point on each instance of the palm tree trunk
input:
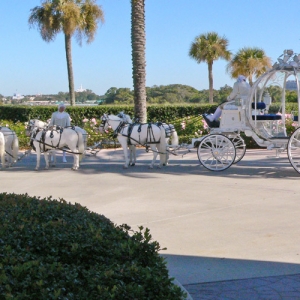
(68, 46)
(138, 44)
(250, 80)
(211, 83)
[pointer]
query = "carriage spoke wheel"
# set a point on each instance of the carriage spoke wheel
(240, 147)
(216, 152)
(294, 150)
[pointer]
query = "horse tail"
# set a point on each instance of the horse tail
(174, 136)
(163, 145)
(80, 145)
(15, 147)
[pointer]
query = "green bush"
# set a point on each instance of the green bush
(16, 117)
(52, 249)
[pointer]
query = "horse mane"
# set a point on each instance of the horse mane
(126, 118)
(114, 118)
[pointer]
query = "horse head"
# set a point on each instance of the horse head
(104, 124)
(29, 128)
(33, 125)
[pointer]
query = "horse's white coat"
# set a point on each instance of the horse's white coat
(38, 124)
(170, 132)
(142, 134)
(2, 150)
(68, 138)
(11, 145)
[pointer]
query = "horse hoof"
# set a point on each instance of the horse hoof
(74, 169)
(125, 167)
(36, 169)
(132, 165)
(46, 168)
(150, 167)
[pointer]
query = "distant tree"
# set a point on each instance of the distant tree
(291, 96)
(208, 48)
(109, 96)
(250, 62)
(72, 17)
(138, 44)
(275, 92)
(224, 92)
(124, 96)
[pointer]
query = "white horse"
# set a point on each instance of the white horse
(2, 149)
(11, 145)
(147, 135)
(170, 130)
(40, 125)
(132, 149)
(46, 140)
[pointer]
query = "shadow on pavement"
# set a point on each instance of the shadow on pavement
(253, 165)
(222, 278)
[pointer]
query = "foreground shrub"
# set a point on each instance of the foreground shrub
(52, 249)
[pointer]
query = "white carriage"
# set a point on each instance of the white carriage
(224, 146)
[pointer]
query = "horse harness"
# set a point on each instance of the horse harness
(42, 142)
(150, 138)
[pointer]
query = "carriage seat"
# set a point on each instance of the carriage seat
(265, 117)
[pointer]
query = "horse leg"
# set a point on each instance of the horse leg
(46, 156)
(38, 156)
(166, 161)
(52, 157)
(9, 157)
(132, 151)
(3, 161)
(2, 158)
(134, 155)
(125, 151)
(76, 159)
(155, 152)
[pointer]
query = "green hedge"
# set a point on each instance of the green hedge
(78, 113)
(163, 113)
(52, 249)
(15, 117)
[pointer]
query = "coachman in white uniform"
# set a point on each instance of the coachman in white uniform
(241, 90)
(62, 119)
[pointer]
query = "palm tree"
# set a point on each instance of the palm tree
(72, 17)
(208, 48)
(251, 62)
(138, 45)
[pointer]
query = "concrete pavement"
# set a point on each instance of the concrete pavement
(229, 235)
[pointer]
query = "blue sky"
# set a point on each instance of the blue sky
(28, 65)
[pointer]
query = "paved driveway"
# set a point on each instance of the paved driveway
(237, 224)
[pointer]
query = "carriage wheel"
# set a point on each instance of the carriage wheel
(294, 150)
(240, 148)
(216, 152)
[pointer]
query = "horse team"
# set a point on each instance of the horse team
(154, 136)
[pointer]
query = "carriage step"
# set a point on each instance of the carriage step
(279, 138)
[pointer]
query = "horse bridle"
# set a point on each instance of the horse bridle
(104, 121)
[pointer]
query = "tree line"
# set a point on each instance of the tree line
(159, 94)
(180, 94)
(80, 18)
